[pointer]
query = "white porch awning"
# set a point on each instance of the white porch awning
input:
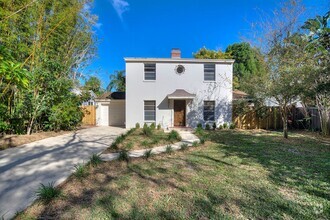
(181, 94)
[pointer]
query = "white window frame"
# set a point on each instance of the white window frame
(148, 70)
(208, 110)
(144, 110)
(208, 71)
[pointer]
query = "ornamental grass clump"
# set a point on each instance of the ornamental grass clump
(123, 156)
(169, 149)
(147, 154)
(95, 160)
(80, 171)
(174, 136)
(47, 193)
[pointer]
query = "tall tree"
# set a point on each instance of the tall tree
(52, 40)
(319, 79)
(205, 53)
(249, 62)
(287, 60)
(117, 81)
(93, 84)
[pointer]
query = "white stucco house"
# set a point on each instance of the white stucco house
(175, 92)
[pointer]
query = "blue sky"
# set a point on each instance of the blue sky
(150, 28)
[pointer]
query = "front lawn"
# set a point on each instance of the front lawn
(235, 175)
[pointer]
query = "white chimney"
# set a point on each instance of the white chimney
(175, 53)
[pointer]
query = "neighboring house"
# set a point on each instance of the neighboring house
(239, 95)
(91, 101)
(172, 92)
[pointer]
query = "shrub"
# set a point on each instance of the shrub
(169, 149)
(147, 131)
(46, 193)
(80, 171)
(3, 127)
(220, 127)
(95, 160)
(225, 125)
(202, 140)
(174, 136)
(153, 126)
(207, 127)
(137, 125)
(183, 146)
(65, 116)
(145, 125)
(159, 127)
(214, 126)
(147, 154)
(195, 144)
(123, 156)
(199, 131)
(232, 126)
(199, 125)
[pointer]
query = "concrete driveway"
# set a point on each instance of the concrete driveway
(23, 168)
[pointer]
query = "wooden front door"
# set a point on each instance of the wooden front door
(179, 112)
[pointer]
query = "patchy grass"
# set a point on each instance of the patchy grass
(235, 175)
(137, 139)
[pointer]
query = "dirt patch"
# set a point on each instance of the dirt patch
(10, 141)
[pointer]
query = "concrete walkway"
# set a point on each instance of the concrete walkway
(23, 168)
(187, 138)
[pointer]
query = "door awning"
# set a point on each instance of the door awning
(181, 94)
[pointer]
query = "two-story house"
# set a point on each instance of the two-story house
(172, 92)
(178, 92)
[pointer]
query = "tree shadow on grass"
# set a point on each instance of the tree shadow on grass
(298, 162)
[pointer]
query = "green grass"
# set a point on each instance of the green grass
(234, 175)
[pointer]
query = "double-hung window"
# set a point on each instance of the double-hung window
(150, 110)
(209, 72)
(209, 110)
(149, 71)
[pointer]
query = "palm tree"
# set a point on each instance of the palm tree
(117, 81)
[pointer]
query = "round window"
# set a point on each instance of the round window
(180, 69)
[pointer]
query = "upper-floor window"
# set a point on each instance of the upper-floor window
(209, 110)
(149, 71)
(150, 110)
(209, 72)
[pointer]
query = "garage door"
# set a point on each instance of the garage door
(104, 115)
(117, 113)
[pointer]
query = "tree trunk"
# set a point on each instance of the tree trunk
(324, 113)
(284, 114)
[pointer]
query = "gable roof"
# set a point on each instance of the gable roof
(181, 94)
(113, 95)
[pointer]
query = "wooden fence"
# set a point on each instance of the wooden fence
(89, 115)
(250, 120)
(297, 119)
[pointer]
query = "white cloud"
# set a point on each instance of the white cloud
(98, 25)
(120, 6)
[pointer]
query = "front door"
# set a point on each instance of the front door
(179, 112)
